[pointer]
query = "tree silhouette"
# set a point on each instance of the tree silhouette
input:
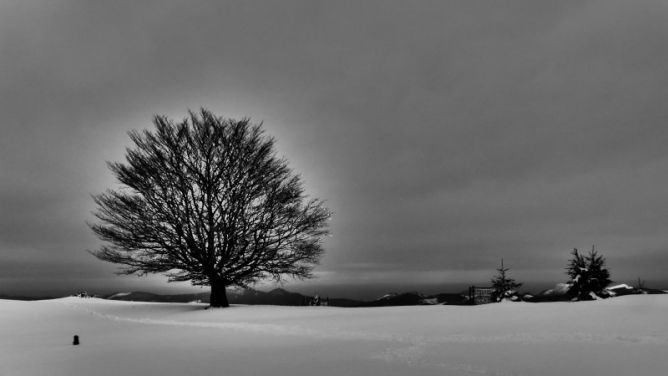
(588, 274)
(206, 200)
(503, 285)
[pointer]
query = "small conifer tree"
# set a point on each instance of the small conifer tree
(504, 286)
(588, 274)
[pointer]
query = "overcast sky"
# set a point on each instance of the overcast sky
(444, 135)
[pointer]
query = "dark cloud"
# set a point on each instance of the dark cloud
(443, 135)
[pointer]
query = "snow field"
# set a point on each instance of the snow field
(621, 336)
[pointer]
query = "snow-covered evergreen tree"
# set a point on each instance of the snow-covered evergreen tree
(504, 286)
(588, 274)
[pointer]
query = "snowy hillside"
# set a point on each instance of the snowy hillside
(621, 336)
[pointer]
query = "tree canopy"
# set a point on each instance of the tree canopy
(588, 274)
(207, 200)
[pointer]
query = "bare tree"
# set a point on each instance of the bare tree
(206, 200)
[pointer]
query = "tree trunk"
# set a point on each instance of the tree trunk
(218, 297)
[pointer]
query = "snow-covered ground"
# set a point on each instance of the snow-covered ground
(621, 336)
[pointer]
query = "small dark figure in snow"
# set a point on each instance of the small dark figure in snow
(315, 301)
(76, 340)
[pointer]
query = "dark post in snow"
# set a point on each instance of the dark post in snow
(76, 340)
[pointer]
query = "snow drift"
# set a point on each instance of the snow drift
(621, 336)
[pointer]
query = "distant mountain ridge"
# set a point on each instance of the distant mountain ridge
(284, 297)
(416, 298)
(142, 296)
(560, 292)
(25, 298)
(277, 296)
